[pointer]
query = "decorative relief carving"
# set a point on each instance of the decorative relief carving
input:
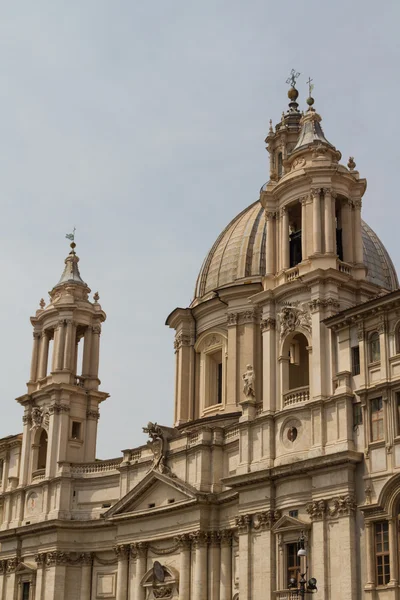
(57, 558)
(162, 592)
(183, 541)
(249, 378)
(12, 564)
(182, 339)
(292, 317)
(40, 559)
(342, 506)
(93, 414)
(199, 538)
(317, 509)
(243, 523)
(266, 519)
(248, 316)
(27, 419)
(86, 558)
(40, 417)
(214, 340)
(232, 319)
(122, 551)
(164, 551)
(338, 506)
(58, 408)
(320, 303)
(267, 324)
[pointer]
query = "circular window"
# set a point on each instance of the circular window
(292, 434)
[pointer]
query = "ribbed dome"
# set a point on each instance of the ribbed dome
(239, 254)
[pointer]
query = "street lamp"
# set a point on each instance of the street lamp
(299, 588)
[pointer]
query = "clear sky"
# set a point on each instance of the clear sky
(143, 124)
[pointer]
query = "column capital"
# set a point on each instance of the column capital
(86, 559)
(184, 541)
(357, 204)
(315, 192)
(317, 510)
(243, 523)
(199, 538)
(283, 211)
(267, 324)
(138, 549)
(266, 519)
(36, 335)
(96, 329)
(122, 551)
(57, 558)
(303, 200)
(226, 536)
(232, 319)
(270, 215)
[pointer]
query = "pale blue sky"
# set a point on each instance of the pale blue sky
(142, 124)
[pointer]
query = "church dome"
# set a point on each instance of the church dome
(239, 254)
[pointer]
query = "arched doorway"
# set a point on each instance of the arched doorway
(295, 365)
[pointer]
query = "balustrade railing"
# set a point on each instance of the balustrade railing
(300, 394)
(99, 466)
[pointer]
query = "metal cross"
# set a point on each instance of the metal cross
(293, 78)
(310, 86)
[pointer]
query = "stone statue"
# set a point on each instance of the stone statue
(158, 444)
(249, 380)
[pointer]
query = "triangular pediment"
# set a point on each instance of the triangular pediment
(26, 567)
(286, 523)
(154, 492)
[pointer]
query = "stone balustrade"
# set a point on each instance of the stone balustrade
(297, 395)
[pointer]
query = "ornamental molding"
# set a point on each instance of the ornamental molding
(265, 520)
(182, 339)
(39, 417)
(138, 549)
(58, 408)
(86, 558)
(57, 558)
(338, 506)
(183, 540)
(324, 303)
(164, 551)
(248, 316)
(267, 324)
(293, 317)
(122, 551)
(199, 538)
(243, 523)
(232, 319)
(93, 414)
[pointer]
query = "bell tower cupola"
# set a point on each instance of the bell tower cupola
(62, 403)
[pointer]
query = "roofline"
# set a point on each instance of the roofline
(386, 300)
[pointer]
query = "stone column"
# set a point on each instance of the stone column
(59, 343)
(69, 345)
(200, 569)
(285, 238)
(140, 550)
(358, 245)
(87, 349)
(86, 575)
(370, 551)
(43, 355)
(232, 364)
(394, 563)
(184, 352)
(270, 258)
(318, 512)
(225, 592)
(214, 565)
(35, 357)
(94, 363)
(56, 565)
(347, 232)
(40, 560)
(122, 552)
(184, 542)
(268, 368)
(303, 202)
(328, 221)
(3, 566)
(243, 523)
(316, 195)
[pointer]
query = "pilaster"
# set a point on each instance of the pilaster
(122, 552)
(184, 542)
(199, 541)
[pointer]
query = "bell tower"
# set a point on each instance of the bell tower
(62, 403)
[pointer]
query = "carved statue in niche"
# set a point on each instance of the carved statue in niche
(158, 443)
(292, 317)
(248, 382)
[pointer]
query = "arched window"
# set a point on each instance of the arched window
(374, 347)
(42, 453)
(298, 362)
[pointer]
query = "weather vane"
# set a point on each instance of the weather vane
(293, 78)
(71, 236)
(310, 86)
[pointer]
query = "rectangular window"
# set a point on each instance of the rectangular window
(219, 383)
(293, 513)
(355, 360)
(357, 415)
(382, 559)
(76, 430)
(26, 588)
(377, 431)
(1, 471)
(292, 562)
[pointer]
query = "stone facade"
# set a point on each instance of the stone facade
(287, 416)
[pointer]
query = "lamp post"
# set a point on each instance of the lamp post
(300, 587)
